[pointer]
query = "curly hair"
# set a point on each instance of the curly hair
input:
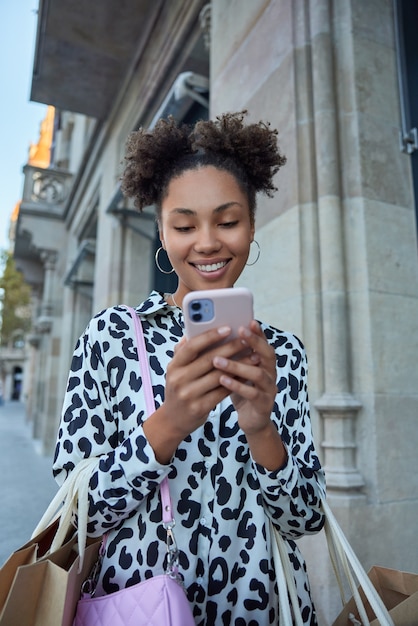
(154, 157)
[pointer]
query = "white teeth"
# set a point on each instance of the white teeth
(211, 268)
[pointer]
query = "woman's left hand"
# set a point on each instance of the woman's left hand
(251, 381)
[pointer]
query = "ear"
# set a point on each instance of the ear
(252, 231)
(161, 234)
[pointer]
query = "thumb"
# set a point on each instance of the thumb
(179, 345)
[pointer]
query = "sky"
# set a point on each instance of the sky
(20, 119)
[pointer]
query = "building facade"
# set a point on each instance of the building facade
(338, 263)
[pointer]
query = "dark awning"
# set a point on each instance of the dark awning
(84, 50)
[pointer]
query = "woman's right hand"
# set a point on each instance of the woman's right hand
(192, 390)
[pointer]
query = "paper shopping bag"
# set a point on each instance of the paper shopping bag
(28, 553)
(399, 592)
(46, 592)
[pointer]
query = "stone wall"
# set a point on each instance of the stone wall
(339, 252)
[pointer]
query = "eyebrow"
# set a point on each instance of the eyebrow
(219, 209)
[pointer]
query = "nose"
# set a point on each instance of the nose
(207, 241)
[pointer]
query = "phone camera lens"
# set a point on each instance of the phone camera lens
(197, 317)
(196, 306)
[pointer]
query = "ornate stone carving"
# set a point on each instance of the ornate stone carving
(47, 188)
(339, 414)
(34, 340)
(49, 259)
(43, 324)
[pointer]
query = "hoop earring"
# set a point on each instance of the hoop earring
(158, 264)
(258, 253)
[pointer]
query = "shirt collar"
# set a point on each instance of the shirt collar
(155, 303)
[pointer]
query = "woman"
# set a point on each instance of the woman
(233, 436)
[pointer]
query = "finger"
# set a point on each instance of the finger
(200, 365)
(256, 376)
(252, 334)
(195, 400)
(203, 342)
(179, 345)
(254, 338)
(244, 389)
(185, 386)
(256, 328)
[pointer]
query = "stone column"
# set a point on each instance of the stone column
(33, 341)
(49, 258)
(337, 407)
(43, 327)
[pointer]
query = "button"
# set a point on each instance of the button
(207, 465)
(203, 521)
(199, 580)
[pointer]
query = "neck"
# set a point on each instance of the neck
(170, 296)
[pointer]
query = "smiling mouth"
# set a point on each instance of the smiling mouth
(211, 267)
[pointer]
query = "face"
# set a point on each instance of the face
(206, 229)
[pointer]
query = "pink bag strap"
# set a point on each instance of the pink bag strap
(168, 517)
(89, 585)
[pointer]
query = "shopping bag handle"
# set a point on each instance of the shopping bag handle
(71, 496)
(341, 555)
(350, 563)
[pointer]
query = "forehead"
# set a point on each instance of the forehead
(203, 187)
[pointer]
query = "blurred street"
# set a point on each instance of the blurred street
(26, 483)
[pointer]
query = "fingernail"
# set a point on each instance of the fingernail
(224, 330)
(219, 361)
(246, 332)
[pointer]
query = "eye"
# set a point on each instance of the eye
(183, 229)
(229, 224)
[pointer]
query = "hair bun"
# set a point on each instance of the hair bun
(154, 156)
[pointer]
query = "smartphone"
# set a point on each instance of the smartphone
(212, 308)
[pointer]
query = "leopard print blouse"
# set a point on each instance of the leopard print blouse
(221, 495)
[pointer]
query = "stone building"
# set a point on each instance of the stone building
(338, 263)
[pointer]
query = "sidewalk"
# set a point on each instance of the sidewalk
(26, 483)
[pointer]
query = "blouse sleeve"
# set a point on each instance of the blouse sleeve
(96, 408)
(292, 494)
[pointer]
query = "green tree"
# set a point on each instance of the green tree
(15, 298)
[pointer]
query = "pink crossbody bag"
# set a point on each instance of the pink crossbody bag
(157, 601)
